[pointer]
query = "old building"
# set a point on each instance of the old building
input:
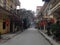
(7, 11)
(52, 10)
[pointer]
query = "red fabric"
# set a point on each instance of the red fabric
(42, 23)
(7, 22)
(52, 20)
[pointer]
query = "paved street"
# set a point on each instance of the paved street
(29, 37)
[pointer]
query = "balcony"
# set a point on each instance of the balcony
(7, 10)
(55, 3)
(55, 9)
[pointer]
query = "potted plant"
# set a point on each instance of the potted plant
(55, 29)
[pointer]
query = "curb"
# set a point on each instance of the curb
(51, 41)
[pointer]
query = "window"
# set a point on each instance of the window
(4, 25)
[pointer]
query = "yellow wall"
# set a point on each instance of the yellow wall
(7, 29)
(8, 4)
(1, 28)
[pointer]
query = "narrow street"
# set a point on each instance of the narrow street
(29, 37)
(29, 22)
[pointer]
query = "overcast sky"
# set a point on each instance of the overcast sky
(31, 4)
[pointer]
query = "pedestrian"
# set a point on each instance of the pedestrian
(20, 23)
(25, 23)
(48, 28)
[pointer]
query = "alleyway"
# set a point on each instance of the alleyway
(29, 37)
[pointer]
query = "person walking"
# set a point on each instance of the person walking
(48, 28)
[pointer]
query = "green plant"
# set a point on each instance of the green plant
(54, 28)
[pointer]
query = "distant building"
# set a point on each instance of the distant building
(38, 12)
(38, 9)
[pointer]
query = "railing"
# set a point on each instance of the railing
(13, 11)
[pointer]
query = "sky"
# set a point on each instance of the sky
(31, 4)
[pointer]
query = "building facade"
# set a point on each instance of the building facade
(52, 10)
(7, 8)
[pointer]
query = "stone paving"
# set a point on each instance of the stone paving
(30, 36)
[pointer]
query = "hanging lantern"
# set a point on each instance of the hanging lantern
(7, 21)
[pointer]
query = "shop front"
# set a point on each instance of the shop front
(4, 21)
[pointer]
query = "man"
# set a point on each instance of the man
(48, 27)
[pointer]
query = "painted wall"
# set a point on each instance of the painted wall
(7, 29)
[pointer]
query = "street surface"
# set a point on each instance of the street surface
(29, 37)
